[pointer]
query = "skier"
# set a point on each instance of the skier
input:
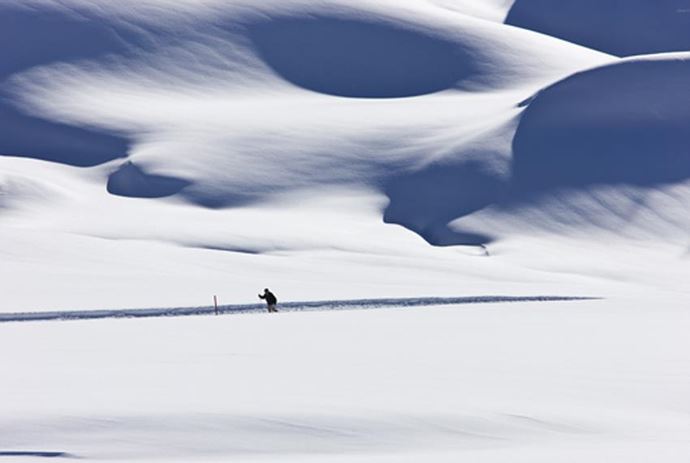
(271, 300)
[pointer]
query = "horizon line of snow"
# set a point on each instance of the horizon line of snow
(295, 306)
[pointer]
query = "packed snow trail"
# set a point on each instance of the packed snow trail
(295, 306)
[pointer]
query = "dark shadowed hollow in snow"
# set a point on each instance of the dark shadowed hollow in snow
(618, 27)
(130, 180)
(627, 123)
(32, 38)
(38, 37)
(32, 137)
(427, 200)
(357, 58)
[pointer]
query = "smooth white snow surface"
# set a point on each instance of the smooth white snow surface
(154, 153)
(573, 381)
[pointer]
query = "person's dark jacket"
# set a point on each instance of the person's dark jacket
(270, 298)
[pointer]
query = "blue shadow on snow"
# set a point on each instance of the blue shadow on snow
(359, 58)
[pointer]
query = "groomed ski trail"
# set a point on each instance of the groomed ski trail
(295, 306)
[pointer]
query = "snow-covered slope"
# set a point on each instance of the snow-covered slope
(603, 150)
(158, 152)
(622, 28)
(625, 123)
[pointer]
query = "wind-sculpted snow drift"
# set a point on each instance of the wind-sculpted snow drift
(254, 129)
(622, 28)
(34, 38)
(626, 123)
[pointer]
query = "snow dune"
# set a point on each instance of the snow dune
(300, 128)
(43, 37)
(622, 28)
(623, 123)
(253, 130)
(606, 149)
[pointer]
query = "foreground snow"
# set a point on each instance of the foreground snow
(596, 381)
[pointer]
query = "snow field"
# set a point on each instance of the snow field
(594, 380)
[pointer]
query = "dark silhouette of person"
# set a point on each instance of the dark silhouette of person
(271, 300)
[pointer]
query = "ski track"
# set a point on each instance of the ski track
(35, 454)
(296, 306)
